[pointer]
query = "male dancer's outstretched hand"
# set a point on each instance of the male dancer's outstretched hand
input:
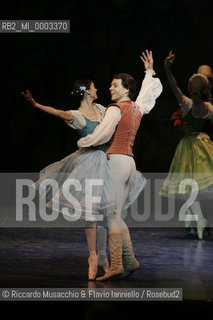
(147, 59)
(169, 59)
(28, 96)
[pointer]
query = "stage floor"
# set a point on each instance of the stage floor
(57, 258)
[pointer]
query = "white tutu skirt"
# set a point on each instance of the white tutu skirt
(81, 186)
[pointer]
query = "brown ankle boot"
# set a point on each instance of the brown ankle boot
(116, 267)
(130, 262)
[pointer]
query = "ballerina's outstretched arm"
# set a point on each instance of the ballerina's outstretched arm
(173, 84)
(65, 115)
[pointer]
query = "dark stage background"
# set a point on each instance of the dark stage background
(106, 37)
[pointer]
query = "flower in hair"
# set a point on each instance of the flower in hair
(82, 88)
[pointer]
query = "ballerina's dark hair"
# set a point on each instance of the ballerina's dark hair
(80, 87)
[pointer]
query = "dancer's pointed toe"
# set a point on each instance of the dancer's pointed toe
(93, 267)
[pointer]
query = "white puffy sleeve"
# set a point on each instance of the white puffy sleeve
(150, 90)
(78, 121)
(186, 105)
(104, 131)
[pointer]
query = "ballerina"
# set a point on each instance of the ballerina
(84, 120)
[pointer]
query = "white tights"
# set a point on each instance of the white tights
(123, 171)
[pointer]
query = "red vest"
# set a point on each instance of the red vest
(123, 138)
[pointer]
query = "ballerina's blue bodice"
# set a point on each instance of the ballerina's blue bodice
(89, 128)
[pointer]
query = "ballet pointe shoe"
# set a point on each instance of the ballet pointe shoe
(130, 263)
(93, 267)
(116, 267)
(103, 261)
(201, 225)
(101, 237)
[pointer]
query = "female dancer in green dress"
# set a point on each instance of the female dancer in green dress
(193, 158)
